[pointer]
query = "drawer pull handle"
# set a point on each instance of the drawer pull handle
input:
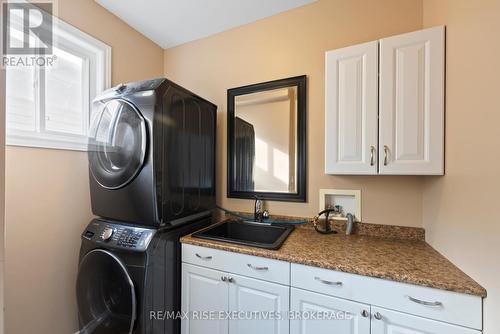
(423, 302)
(257, 268)
(203, 257)
(338, 283)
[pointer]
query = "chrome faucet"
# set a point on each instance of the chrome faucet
(257, 212)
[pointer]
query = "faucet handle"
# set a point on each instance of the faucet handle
(338, 210)
(350, 222)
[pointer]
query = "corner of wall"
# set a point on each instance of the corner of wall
(2, 195)
(165, 61)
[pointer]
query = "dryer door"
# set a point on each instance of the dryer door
(117, 143)
(105, 295)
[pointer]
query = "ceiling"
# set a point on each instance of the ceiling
(172, 22)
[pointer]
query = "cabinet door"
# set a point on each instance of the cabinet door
(411, 125)
(310, 305)
(351, 105)
(203, 290)
(392, 322)
(262, 298)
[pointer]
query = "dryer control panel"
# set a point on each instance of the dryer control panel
(118, 236)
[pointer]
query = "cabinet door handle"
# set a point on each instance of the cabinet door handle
(372, 155)
(223, 278)
(386, 153)
(377, 316)
(338, 283)
(203, 257)
(230, 279)
(257, 268)
(365, 314)
(423, 302)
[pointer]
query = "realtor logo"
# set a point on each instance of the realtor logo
(27, 28)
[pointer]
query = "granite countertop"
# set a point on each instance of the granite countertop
(407, 261)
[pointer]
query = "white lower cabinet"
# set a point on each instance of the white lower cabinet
(392, 322)
(321, 314)
(347, 317)
(246, 305)
(261, 306)
(203, 291)
(255, 295)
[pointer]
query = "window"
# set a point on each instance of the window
(50, 106)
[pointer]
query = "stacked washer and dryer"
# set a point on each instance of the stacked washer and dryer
(152, 180)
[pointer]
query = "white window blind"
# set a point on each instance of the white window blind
(50, 106)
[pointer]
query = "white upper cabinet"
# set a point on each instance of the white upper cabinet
(411, 126)
(351, 109)
(384, 107)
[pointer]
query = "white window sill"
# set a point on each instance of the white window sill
(47, 140)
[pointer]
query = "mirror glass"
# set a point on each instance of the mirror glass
(265, 127)
(267, 140)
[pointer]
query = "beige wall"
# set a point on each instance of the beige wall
(461, 209)
(47, 206)
(48, 203)
(2, 193)
(134, 56)
(289, 44)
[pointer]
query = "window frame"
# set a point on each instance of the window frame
(97, 63)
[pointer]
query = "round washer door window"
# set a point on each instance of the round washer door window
(117, 144)
(105, 295)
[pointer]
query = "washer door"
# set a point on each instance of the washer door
(105, 295)
(117, 143)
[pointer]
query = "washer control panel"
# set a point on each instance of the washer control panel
(118, 236)
(128, 237)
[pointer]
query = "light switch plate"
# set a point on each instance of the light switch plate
(349, 200)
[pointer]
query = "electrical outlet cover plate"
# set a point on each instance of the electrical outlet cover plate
(349, 200)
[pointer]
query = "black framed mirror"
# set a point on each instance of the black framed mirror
(266, 132)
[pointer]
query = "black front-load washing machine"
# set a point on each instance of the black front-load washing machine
(152, 154)
(127, 272)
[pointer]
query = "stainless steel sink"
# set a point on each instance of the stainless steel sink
(247, 233)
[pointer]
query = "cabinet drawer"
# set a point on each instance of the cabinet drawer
(387, 321)
(447, 306)
(242, 264)
(456, 308)
(328, 282)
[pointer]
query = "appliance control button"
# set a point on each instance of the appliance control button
(107, 233)
(89, 234)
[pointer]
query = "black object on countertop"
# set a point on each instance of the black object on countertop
(247, 233)
(328, 228)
